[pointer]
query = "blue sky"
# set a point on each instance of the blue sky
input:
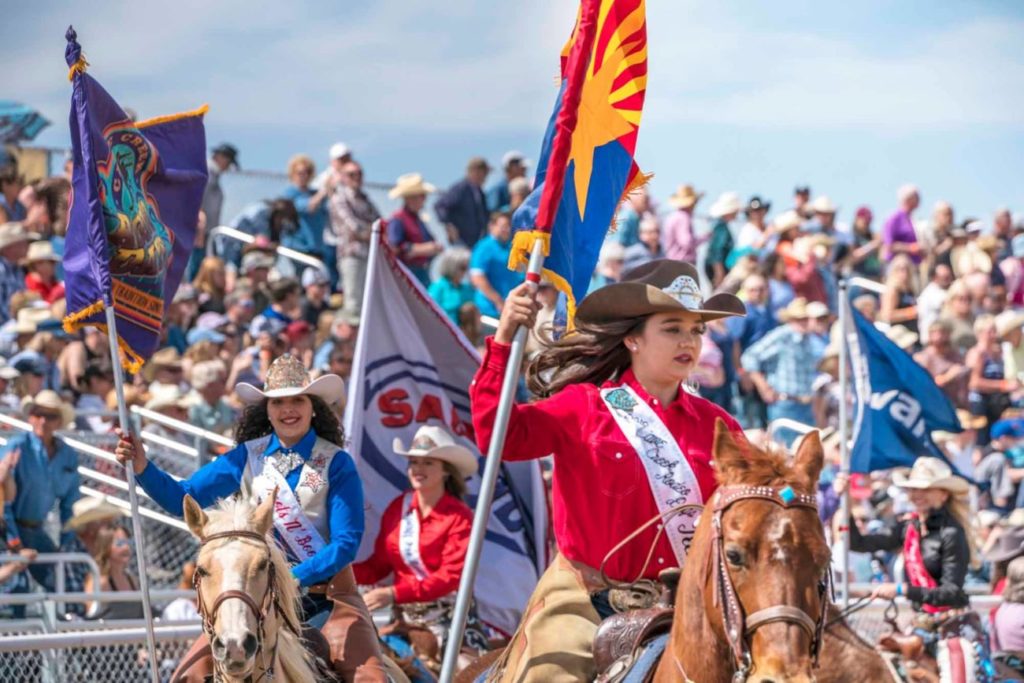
(853, 98)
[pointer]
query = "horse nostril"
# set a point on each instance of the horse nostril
(249, 645)
(218, 649)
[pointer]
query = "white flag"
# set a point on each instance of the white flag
(412, 366)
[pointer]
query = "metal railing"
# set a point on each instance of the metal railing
(60, 562)
(234, 233)
(87, 639)
(124, 505)
(864, 283)
(185, 427)
(102, 597)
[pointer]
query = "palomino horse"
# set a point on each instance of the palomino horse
(248, 600)
(752, 599)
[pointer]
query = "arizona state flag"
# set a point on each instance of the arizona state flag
(136, 190)
(586, 162)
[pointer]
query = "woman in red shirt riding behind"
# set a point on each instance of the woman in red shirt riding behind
(629, 443)
(423, 538)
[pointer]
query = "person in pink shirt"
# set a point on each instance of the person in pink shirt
(679, 238)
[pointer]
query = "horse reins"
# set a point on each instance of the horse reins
(260, 610)
(738, 627)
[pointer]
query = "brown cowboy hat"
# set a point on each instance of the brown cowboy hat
(1009, 545)
(659, 286)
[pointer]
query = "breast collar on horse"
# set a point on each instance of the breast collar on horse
(260, 610)
(738, 628)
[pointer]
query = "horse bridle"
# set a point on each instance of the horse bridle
(260, 610)
(738, 627)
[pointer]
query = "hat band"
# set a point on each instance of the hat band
(684, 289)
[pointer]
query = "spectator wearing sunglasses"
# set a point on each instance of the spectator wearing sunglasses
(113, 554)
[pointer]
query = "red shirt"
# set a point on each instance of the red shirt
(444, 537)
(600, 491)
(47, 292)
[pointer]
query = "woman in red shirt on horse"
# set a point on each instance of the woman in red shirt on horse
(630, 441)
(423, 538)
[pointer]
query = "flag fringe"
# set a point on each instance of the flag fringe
(73, 322)
(522, 247)
(173, 117)
(78, 67)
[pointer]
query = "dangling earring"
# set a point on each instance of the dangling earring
(692, 386)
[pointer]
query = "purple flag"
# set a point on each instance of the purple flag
(136, 192)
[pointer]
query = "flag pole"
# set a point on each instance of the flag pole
(133, 497)
(844, 436)
(492, 466)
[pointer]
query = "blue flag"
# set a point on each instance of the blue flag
(897, 406)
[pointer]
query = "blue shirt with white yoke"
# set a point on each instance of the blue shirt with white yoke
(223, 477)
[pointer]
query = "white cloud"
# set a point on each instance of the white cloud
(488, 67)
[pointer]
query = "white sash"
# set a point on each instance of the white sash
(409, 539)
(290, 521)
(669, 475)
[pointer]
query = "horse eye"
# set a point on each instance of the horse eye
(263, 564)
(734, 556)
(201, 572)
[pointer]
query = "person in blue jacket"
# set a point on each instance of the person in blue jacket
(289, 438)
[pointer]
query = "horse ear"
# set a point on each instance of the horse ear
(809, 459)
(263, 515)
(194, 516)
(732, 456)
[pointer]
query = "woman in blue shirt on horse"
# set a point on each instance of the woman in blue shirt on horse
(289, 439)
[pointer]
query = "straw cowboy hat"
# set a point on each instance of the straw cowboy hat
(787, 220)
(435, 442)
(49, 400)
(795, 310)
(165, 396)
(167, 357)
(830, 359)
(660, 286)
(14, 232)
(287, 376)
(40, 251)
(685, 197)
(823, 204)
(410, 185)
(1008, 321)
(1009, 545)
(92, 509)
(818, 245)
(29, 319)
(929, 473)
(902, 337)
(727, 203)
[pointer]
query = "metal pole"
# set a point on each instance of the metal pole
(844, 435)
(133, 499)
(490, 476)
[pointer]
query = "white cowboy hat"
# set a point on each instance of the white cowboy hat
(29, 319)
(787, 220)
(165, 396)
(685, 197)
(14, 232)
(1008, 321)
(929, 473)
(40, 251)
(436, 442)
(727, 202)
(47, 399)
(92, 509)
(409, 185)
(287, 376)
(823, 204)
(795, 310)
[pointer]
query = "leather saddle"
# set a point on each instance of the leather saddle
(622, 638)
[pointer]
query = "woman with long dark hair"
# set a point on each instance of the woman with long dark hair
(290, 440)
(630, 439)
(423, 537)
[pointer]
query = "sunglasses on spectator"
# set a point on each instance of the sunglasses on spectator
(121, 543)
(49, 417)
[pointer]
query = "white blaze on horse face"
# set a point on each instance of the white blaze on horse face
(234, 620)
(780, 529)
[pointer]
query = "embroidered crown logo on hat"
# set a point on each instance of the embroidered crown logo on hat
(287, 372)
(684, 289)
(422, 442)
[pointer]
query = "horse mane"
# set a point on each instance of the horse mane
(742, 463)
(235, 514)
